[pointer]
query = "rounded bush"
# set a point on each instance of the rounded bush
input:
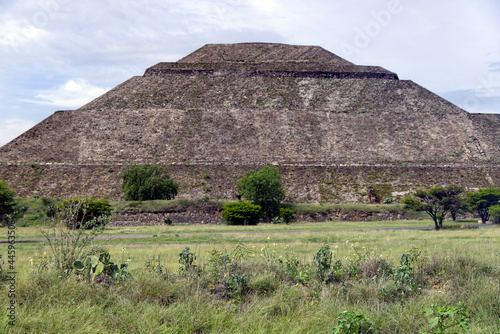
(288, 215)
(148, 182)
(242, 213)
(263, 188)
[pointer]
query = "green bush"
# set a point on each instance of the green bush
(241, 213)
(86, 212)
(7, 202)
(263, 188)
(287, 214)
(50, 206)
(352, 322)
(495, 213)
(389, 200)
(148, 182)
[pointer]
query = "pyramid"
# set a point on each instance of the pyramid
(327, 123)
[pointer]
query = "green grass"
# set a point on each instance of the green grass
(456, 265)
(34, 232)
(31, 212)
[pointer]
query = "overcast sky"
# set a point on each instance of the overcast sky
(61, 54)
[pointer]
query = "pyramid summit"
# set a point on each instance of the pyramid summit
(227, 108)
(263, 53)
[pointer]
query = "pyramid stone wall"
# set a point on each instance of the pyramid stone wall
(332, 127)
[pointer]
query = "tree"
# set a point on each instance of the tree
(435, 201)
(263, 188)
(482, 200)
(7, 202)
(241, 213)
(148, 182)
(495, 213)
(455, 200)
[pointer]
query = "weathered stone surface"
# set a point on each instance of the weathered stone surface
(262, 53)
(333, 128)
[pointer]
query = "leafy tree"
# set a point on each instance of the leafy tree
(7, 202)
(482, 200)
(495, 213)
(241, 213)
(436, 202)
(455, 200)
(148, 182)
(263, 188)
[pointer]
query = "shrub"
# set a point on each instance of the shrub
(94, 266)
(66, 240)
(235, 286)
(277, 220)
(241, 213)
(148, 182)
(287, 214)
(50, 206)
(389, 200)
(495, 213)
(323, 261)
(7, 202)
(263, 188)
(352, 322)
(218, 266)
(446, 317)
(186, 259)
(87, 212)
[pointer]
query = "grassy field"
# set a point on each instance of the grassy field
(264, 279)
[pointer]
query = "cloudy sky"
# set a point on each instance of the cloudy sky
(61, 54)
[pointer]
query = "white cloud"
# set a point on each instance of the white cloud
(443, 46)
(72, 94)
(11, 128)
(269, 6)
(15, 33)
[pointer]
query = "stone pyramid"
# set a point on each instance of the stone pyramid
(226, 108)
